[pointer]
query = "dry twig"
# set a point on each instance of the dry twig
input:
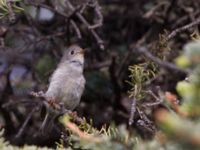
(133, 110)
(79, 15)
(22, 129)
(183, 28)
(160, 62)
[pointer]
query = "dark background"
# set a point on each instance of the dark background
(33, 42)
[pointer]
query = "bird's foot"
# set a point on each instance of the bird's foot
(74, 114)
(44, 125)
(63, 110)
(52, 102)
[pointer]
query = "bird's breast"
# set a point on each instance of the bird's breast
(72, 91)
(66, 86)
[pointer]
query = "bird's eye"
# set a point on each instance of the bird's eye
(72, 52)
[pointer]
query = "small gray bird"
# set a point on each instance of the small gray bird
(67, 82)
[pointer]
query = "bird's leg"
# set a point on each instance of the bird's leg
(53, 103)
(48, 123)
(49, 101)
(44, 123)
(56, 106)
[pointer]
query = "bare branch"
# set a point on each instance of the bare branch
(76, 29)
(133, 110)
(22, 129)
(164, 64)
(183, 28)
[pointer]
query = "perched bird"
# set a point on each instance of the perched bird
(67, 82)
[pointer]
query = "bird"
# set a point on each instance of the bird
(67, 83)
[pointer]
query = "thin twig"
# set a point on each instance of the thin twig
(14, 103)
(143, 116)
(86, 23)
(12, 17)
(144, 122)
(97, 9)
(184, 18)
(127, 56)
(133, 110)
(160, 62)
(39, 39)
(78, 14)
(183, 28)
(96, 36)
(76, 29)
(22, 129)
(157, 102)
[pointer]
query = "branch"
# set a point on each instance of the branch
(22, 129)
(183, 28)
(78, 14)
(133, 110)
(164, 64)
(76, 29)
(96, 36)
(11, 14)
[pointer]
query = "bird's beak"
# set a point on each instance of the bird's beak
(82, 51)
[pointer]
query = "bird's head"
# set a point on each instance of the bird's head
(74, 55)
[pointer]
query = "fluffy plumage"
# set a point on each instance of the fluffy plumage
(67, 82)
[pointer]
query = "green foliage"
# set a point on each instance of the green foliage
(182, 128)
(140, 74)
(182, 61)
(179, 127)
(94, 139)
(189, 90)
(5, 10)
(192, 52)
